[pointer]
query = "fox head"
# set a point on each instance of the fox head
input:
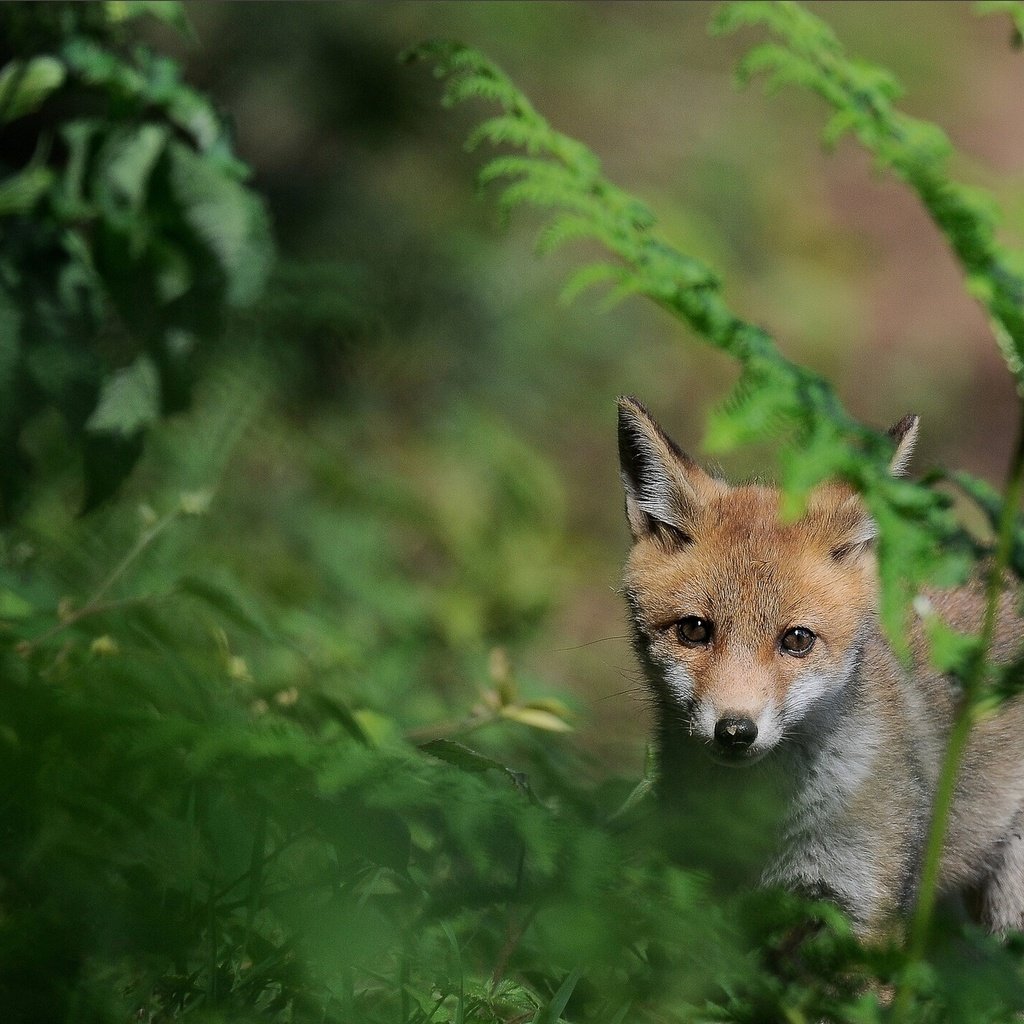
(744, 623)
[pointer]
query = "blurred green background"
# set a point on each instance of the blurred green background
(410, 438)
(426, 349)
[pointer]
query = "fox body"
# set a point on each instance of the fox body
(761, 644)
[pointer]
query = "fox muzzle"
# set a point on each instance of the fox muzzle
(734, 735)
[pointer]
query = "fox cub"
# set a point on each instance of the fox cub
(761, 644)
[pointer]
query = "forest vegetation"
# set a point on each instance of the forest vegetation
(317, 700)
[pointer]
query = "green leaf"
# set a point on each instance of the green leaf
(167, 11)
(535, 718)
(107, 458)
(125, 163)
(461, 756)
(229, 220)
(552, 1012)
(590, 276)
(129, 400)
(642, 792)
(453, 943)
(340, 713)
(227, 600)
(14, 606)
(21, 191)
(472, 761)
(103, 68)
(25, 85)
(79, 137)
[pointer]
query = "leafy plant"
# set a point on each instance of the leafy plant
(267, 748)
(127, 231)
(919, 540)
(211, 804)
(774, 397)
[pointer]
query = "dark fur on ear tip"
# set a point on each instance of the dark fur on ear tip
(655, 475)
(633, 411)
(904, 433)
(630, 452)
(899, 429)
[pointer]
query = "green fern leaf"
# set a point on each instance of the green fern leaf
(590, 276)
(567, 228)
(774, 397)
(806, 52)
(1014, 8)
(505, 130)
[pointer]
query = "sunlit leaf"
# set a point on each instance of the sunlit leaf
(227, 218)
(129, 400)
(536, 718)
(24, 85)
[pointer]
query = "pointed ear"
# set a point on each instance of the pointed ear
(852, 527)
(904, 434)
(657, 475)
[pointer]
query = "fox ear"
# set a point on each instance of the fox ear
(904, 434)
(656, 474)
(852, 528)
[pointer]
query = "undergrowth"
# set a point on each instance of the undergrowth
(266, 750)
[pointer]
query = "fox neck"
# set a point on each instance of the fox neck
(834, 751)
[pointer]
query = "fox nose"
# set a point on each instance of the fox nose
(735, 734)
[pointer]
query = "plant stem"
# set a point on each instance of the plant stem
(145, 539)
(973, 687)
(96, 604)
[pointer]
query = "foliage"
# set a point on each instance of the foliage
(127, 231)
(238, 775)
(774, 397)
(809, 55)
(209, 803)
(919, 542)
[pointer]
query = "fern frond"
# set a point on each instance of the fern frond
(628, 286)
(568, 227)
(807, 53)
(776, 64)
(547, 175)
(612, 215)
(509, 130)
(512, 167)
(1014, 8)
(472, 86)
(590, 276)
(536, 190)
(919, 539)
(774, 397)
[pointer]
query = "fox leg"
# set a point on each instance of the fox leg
(1002, 891)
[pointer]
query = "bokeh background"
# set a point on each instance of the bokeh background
(419, 460)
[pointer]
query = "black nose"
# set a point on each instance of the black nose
(735, 734)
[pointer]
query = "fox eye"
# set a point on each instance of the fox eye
(798, 641)
(694, 631)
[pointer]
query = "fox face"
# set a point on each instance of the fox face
(748, 627)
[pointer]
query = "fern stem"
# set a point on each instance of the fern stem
(967, 713)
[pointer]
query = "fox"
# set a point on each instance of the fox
(763, 652)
